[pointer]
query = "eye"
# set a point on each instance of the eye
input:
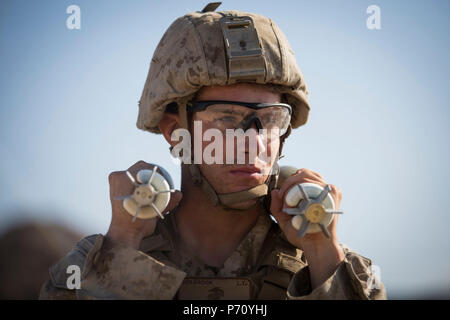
(268, 119)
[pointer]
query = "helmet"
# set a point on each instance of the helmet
(220, 48)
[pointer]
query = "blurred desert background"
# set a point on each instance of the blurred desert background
(379, 126)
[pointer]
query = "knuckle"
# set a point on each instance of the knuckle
(309, 172)
(300, 173)
(336, 190)
(140, 162)
(138, 165)
(113, 175)
(318, 174)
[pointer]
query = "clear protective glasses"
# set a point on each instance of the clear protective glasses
(223, 115)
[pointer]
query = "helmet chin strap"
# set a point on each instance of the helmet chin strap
(227, 200)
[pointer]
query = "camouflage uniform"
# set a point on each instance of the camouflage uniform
(263, 266)
(204, 49)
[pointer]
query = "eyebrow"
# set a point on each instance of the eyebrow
(228, 111)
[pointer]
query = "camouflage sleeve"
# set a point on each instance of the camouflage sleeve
(50, 292)
(112, 271)
(353, 280)
(56, 287)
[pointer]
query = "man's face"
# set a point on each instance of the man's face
(226, 177)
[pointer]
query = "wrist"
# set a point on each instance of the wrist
(328, 250)
(127, 238)
(323, 259)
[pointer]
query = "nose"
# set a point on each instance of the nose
(255, 134)
(254, 123)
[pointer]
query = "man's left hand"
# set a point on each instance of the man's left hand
(322, 254)
(284, 220)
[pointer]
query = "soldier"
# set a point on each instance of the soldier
(217, 240)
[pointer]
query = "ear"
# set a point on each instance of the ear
(168, 124)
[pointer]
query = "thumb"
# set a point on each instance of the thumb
(275, 202)
(276, 208)
(175, 198)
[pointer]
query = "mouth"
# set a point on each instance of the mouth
(246, 177)
(249, 171)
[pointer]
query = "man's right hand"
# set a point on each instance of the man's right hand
(121, 228)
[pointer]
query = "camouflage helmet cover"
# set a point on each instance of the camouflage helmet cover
(220, 48)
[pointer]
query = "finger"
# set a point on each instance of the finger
(300, 177)
(336, 193)
(138, 166)
(276, 207)
(119, 184)
(334, 222)
(130, 174)
(295, 182)
(332, 228)
(314, 173)
(275, 203)
(114, 176)
(311, 175)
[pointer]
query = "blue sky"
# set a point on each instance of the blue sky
(378, 127)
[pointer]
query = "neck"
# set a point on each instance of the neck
(211, 232)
